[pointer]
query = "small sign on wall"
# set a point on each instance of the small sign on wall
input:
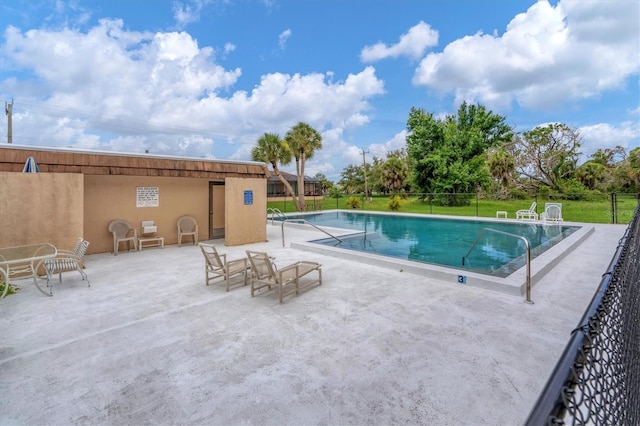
(147, 196)
(248, 197)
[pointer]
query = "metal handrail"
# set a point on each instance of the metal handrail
(275, 212)
(308, 223)
(527, 247)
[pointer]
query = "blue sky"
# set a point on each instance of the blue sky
(207, 78)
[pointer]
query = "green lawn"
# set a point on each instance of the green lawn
(574, 211)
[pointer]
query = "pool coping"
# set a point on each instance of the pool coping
(514, 284)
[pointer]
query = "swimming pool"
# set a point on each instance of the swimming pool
(441, 242)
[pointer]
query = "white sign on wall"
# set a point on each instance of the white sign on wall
(147, 196)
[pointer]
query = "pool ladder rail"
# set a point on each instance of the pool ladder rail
(298, 220)
(275, 213)
(527, 248)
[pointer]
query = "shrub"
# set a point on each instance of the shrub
(543, 192)
(394, 203)
(353, 202)
(334, 192)
(452, 199)
(11, 290)
(519, 194)
(574, 190)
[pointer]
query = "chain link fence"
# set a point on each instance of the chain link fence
(616, 208)
(597, 379)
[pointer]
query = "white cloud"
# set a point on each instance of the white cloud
(412, 44)
(283, 37)
(187, 12)
(327, 169)
(398, 141)
(546, 56)
(229, 47)
(184, 14)
(287, 99)
(604, 135)
(163, 92)
(353, 155)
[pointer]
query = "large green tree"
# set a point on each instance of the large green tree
(628, 172)
(602, 171)
(374, 175)
(303, 141)
(352, 179)
(546, 155)
(448, 154)
(325, 183)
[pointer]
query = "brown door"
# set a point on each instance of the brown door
(216, 210)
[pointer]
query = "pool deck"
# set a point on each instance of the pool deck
(149, 343)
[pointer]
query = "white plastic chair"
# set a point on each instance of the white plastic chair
(123, 233)
(187, 226)
(552, 213)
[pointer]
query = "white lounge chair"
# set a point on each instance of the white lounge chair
(264, 273)
(67, 261)
(529, 214)
(217, 266)
(552, 213)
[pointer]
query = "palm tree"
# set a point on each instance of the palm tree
(271, 149)
(591, 173)
(303, 141)
(501, 165)
(394, 174)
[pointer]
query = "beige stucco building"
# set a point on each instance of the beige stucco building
(78, 193)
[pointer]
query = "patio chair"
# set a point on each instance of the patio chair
(67, 261)
(529, 214)
(552, 213)
(187, 226)
(217, 266)
(123, 233)
(264, 273)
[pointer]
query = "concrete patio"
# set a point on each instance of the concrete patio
(149, 343)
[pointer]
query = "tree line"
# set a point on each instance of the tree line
(474, 150)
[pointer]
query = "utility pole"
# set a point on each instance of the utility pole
(364, 161)
(8, 109)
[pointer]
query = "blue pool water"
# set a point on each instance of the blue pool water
(441, 241)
